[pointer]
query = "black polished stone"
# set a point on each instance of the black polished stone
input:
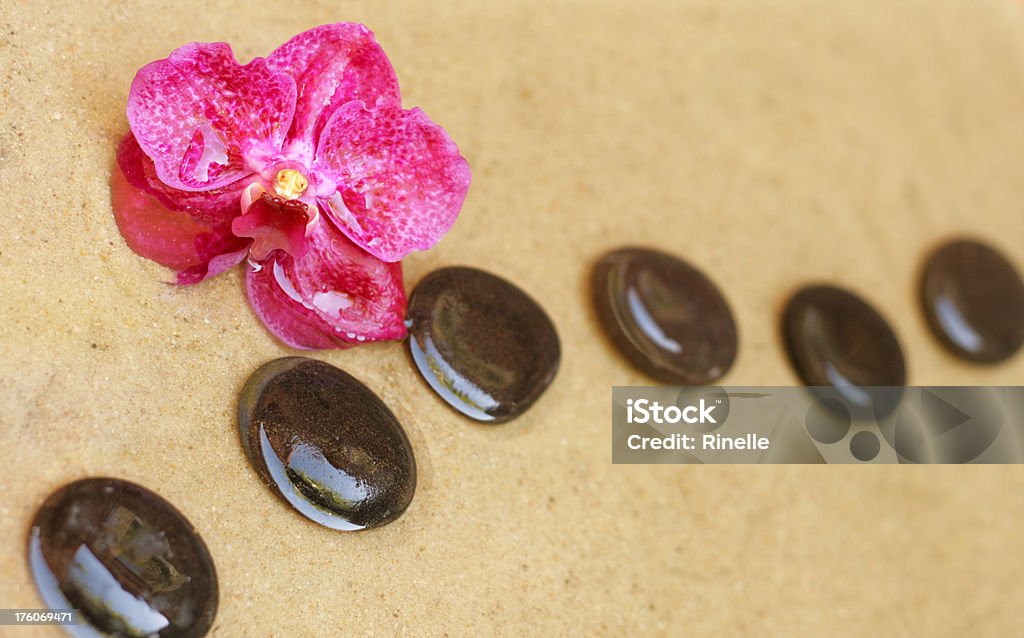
(125, 558)
(481, 343)
(834, 338)
(665, 316)
(974, 301)
(326, 444)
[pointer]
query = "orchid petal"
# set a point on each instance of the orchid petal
(334, 296)
(286, 318)
(214, 205)
(332, 65)
(197, 247)
(399, 180)
(207, 121)
(220, 262)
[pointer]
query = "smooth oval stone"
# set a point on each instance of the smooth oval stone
(481, 343)
(326, 444)
(974, 301)
(125, 558)
(665, 316)
(834, 338)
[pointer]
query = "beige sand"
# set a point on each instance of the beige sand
(767, 142)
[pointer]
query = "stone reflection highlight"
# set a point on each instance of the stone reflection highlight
(326, 444)
(124, 557)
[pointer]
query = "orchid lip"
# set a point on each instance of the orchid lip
(255, 191)
(273, 223)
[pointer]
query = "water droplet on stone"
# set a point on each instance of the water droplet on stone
(481, 343)
(665, 316)
(129, 561)
(326, 444)
(974, 301)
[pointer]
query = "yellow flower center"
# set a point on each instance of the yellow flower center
(290, 183)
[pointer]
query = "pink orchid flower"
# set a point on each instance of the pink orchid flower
(304, 164)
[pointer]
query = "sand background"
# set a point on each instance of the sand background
(770, 143)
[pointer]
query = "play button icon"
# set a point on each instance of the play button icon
(942, 415)
(945, 424)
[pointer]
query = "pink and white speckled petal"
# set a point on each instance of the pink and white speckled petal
(399, 180)
(285, 317)
(358, 297)
(332, 65)
(211, 206)
(207, 121)
(196, 246)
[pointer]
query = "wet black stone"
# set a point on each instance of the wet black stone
(974, 301)
(665, 316)
(125, 558)
(834, 338)
(326, 444)
(481, 343)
